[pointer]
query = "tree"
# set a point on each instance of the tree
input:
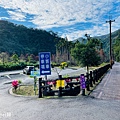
(63, 50)
(117, 50)
(86, 54)
(62, 66)
(22, 40)
(4, 57)
(31, 58)
(15, 58)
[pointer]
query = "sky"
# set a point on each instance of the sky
(67, 18)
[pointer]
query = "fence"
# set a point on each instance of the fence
(71, 86)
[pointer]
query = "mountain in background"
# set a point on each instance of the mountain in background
(105, 40)
(22, 40)
(81, 39)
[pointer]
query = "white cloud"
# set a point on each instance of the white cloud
(116, 24)
(76, 34)
(4, 18)
(62, 13)
(16, 15)
(58, 12)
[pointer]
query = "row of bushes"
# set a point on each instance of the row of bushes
(19, 66)
(15, 66)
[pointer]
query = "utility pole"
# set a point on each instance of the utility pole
(88, 36)
(110, 22)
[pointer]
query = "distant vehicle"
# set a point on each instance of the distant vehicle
(27, 70)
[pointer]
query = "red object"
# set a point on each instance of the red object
(77, 79)
(51, 83)
(68, 80)
(15, 83)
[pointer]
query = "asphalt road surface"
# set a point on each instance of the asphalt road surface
(109, 88)
(12, 75)
(65, 108)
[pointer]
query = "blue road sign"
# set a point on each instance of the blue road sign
(35, 73)
(45, 63)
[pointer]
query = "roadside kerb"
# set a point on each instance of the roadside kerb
(16, 95)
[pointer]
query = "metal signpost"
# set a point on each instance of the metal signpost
(35, 74)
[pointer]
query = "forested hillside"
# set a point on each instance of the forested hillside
(115, 44)
(116, 48)
(22, 40)
(105, 40)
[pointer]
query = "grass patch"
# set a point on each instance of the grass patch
(96, 67)
(25, 90)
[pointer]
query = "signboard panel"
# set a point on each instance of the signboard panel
(35, 73)
(45, 63)
(60, 83)
(82, 81)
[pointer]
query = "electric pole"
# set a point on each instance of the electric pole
(110, 22)
(88, 36)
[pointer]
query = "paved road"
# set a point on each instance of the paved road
(109, 88)
(65, 108)
(26, 79)
(69, 71)
(76, 108)
(10, 72)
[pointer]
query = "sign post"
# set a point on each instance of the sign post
(35, 74)
(45, 65)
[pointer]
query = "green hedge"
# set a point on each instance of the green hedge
(15, 66)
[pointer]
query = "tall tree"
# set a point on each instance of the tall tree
(4, 57)
(86, 54)
(117, 50)
(15, 58)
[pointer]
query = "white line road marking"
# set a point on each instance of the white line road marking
(107, 80)
(8, 76)
(100, 94)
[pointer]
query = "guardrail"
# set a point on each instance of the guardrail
(71, 86)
